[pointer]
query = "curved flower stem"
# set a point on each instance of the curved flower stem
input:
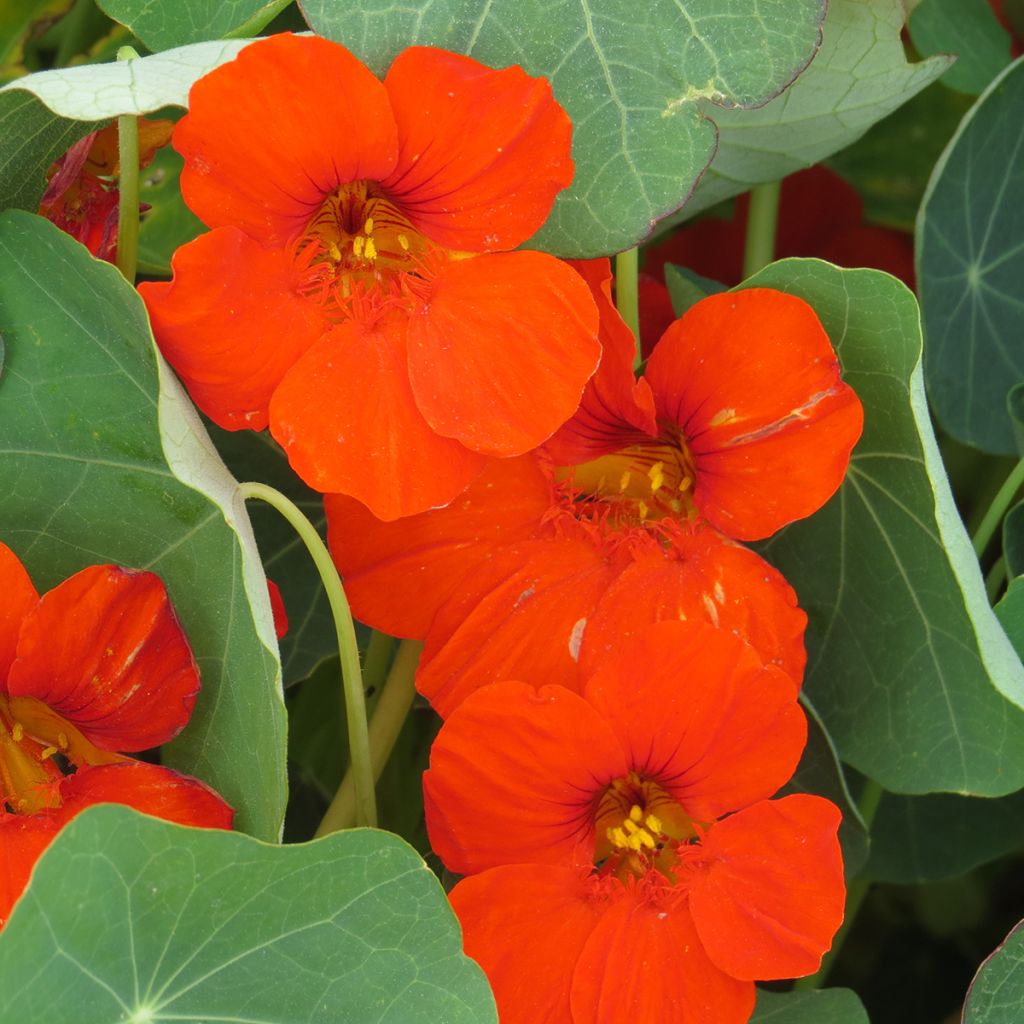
(1000, 503)
(259, 21)
(365, 812)
(627, 299)
(128, 186)
(870, 798)
(388, 717)
(761, 220)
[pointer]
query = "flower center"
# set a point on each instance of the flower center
(643, 483)
(640, 827)
(28, 775)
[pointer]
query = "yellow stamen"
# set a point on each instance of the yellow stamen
(368, 226)
(624, 481)
(657, 476)
(403, 241)
(653, 822)
(357, 246)
(18, 732)
(47, 752)
(371, 250)
(636, 812)
(62, 739)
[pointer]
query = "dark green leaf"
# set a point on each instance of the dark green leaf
(638, 80)
(105, 461)
(970, 267)
(1015, 410)
(997, 992)
(920, 839)
(17, 18)
(1013, 540)
(826, 1006)
(168, 222)
(968, 29)
(1010, 612)
(685, 287)
(133, 919)
(908, 667)
(820, 772)
(858, 77)
(161, 26)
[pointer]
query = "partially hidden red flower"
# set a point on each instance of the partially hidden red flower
(625, 861)
(93, 668)
(82, 196)
(741, 425)
(356, 292)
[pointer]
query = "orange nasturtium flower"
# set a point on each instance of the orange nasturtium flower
(96, 666)
(356, 292)
(741, 425)
(624, 861)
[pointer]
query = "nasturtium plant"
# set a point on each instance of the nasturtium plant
(511, 511)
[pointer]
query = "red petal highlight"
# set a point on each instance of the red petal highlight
(752, 381)
(270, 134)
(617, 409)
(149, 788)
(769, 894)
(484, 189)
(347, 419)
(528, 800)
(697, 712)
(526, 926)
(644, 962)
(501, 349)
(105, 651)
(20, 597)
(524, 619)
(397, 574)
(231, 323)
(705, 578)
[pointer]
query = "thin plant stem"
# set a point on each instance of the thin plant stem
(627, 298)
(388, 717)
(365, 807)
(376, 660)
(856, 891)
(1000, 503)
(128, 186)
(761, 221)
(996, 578)
(259, 21)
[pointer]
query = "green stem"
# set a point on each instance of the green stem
(365, 812)
(388, 717)
(995, 579)
(376, 660)
(761, 220)
(128, 186)
(856, 891)
(627, 298)
(259, 21)
(996, 511)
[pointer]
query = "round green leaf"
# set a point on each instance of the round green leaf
(970, 265)
(825, 1006)
(162, 26)
(997, 991)
(105, 460)
(908, 667)
(968, 29)
(859, 75)
(133, 919)
(641, 82)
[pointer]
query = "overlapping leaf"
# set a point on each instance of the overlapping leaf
(858, 77)
(997, 992)
(827, 1006)
(633, 77)
(105, 461)
(970, 269)
(909, 669)
(163, 26)
(133, 919)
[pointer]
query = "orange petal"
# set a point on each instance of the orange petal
(644, 962)
(706, 578)
(149, 788)
(526, 926)
(346, 418)
(23, 838)
(105, 651)
(617, 409)
(397, 574)
(524, 619)
(483, 153)
(20, 597)
(270, 134)
(231, 323)
(769, 894)
(752, 381)
(696, 711)
(515, 773)
(501, 349)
